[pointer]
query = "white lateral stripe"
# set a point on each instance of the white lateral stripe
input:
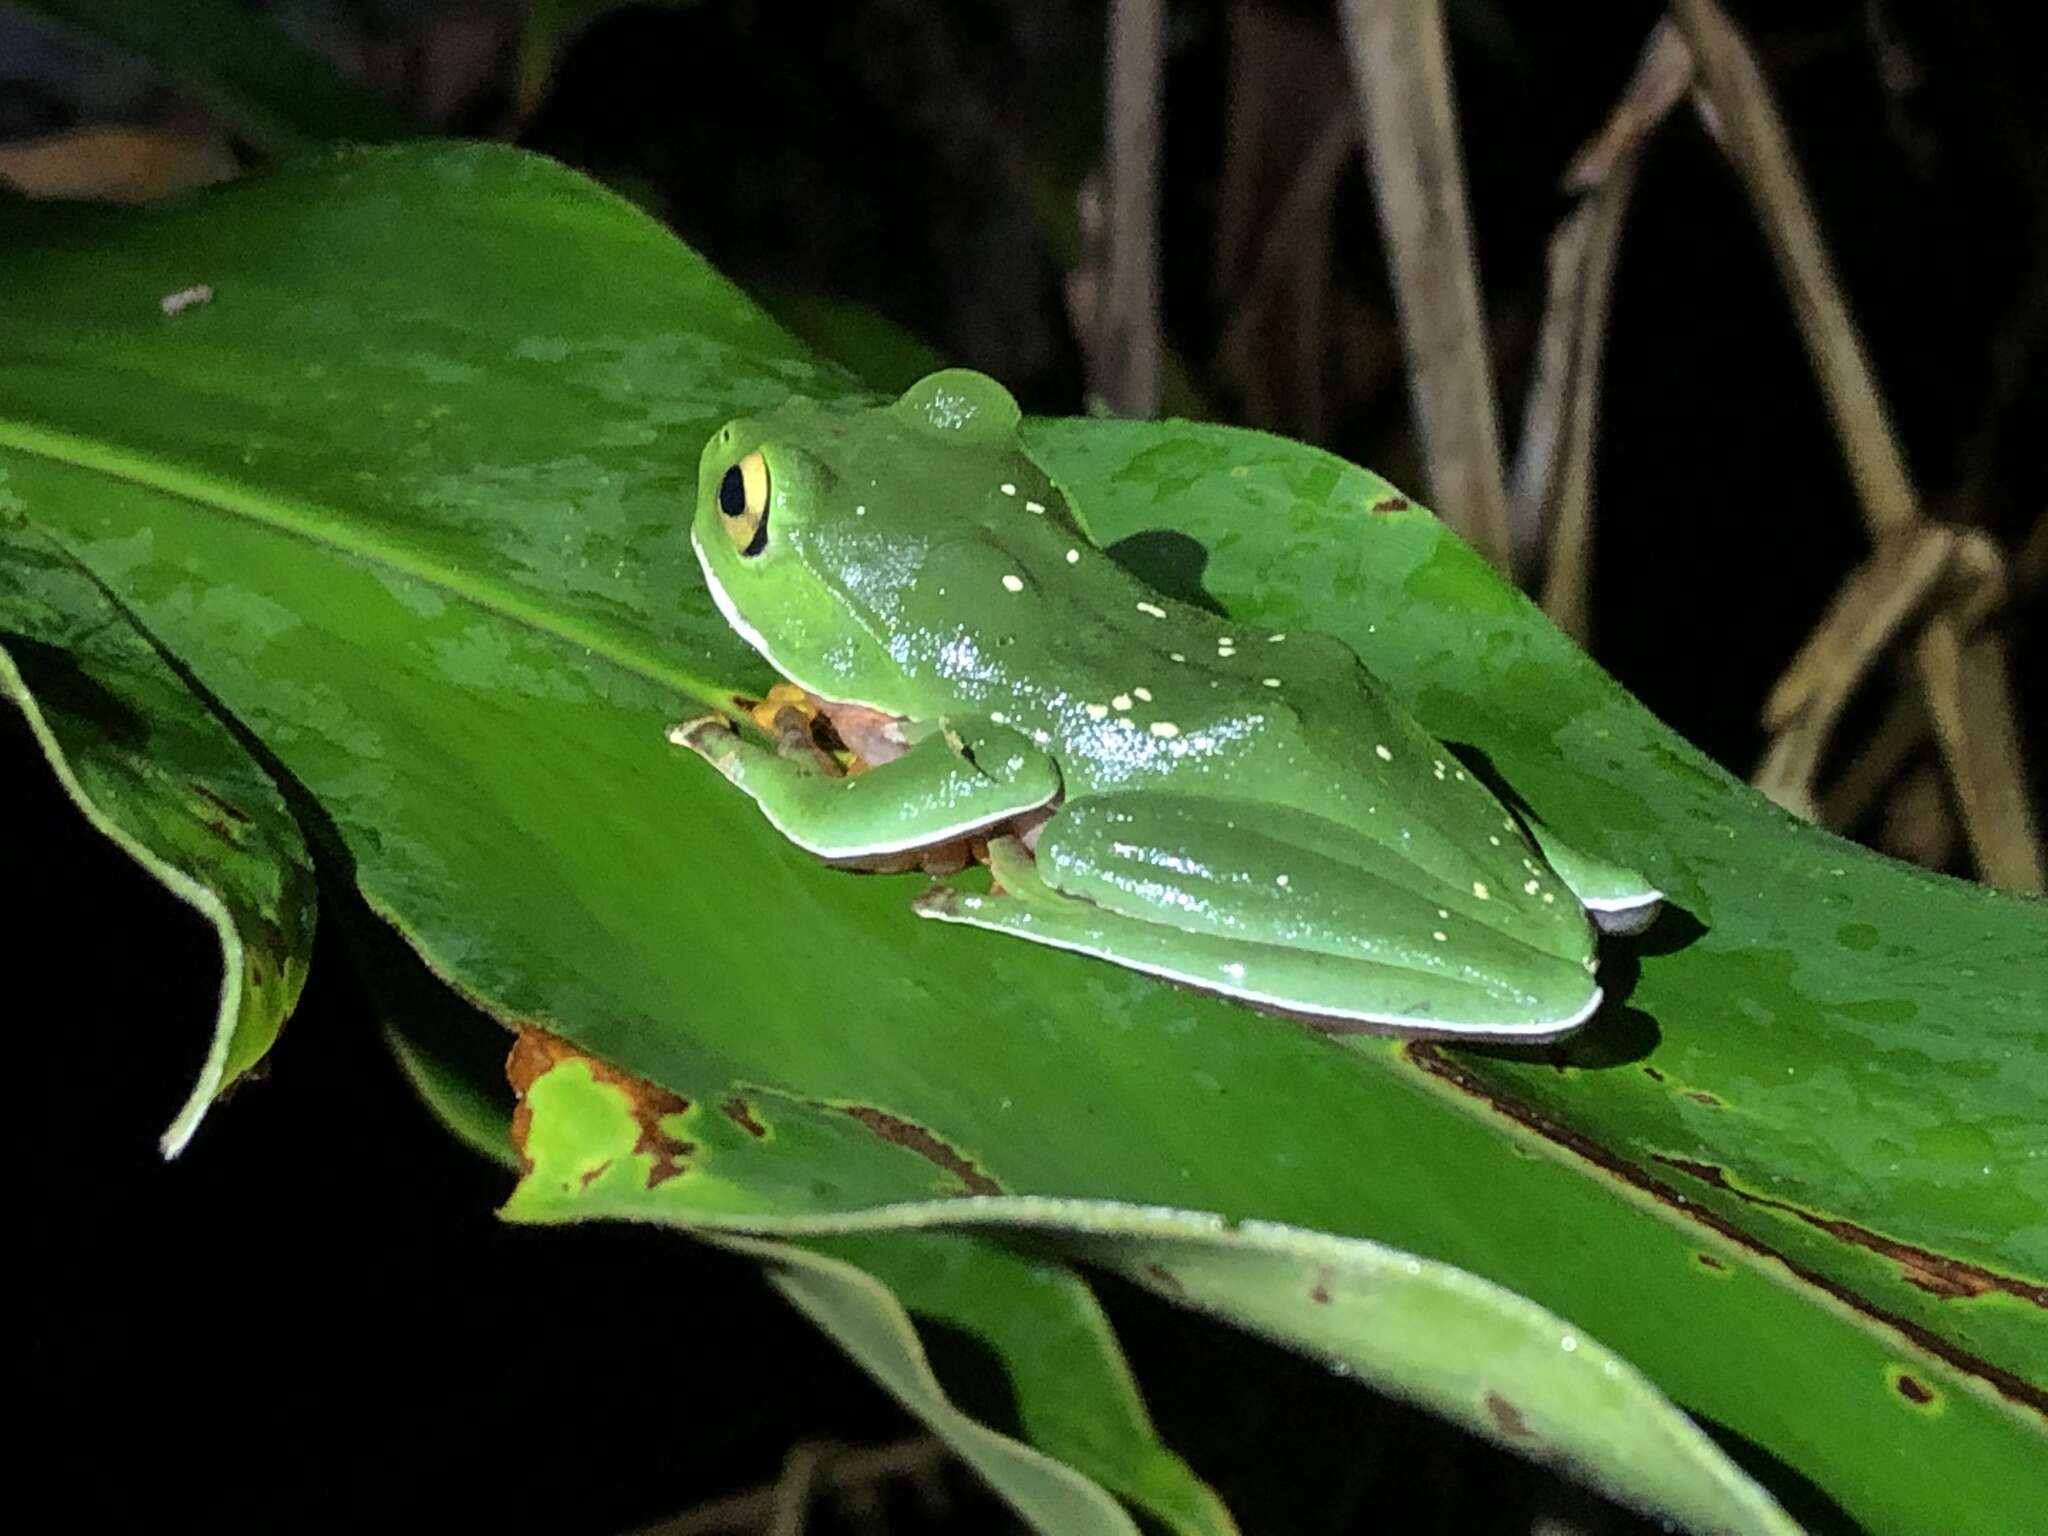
(1541, 1030)
(740, 626)
(1621, 903)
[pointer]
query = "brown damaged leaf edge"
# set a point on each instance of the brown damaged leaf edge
(741, 1114)
(1507, 1418)
(1166, 1279)
(1392, 504)
(915, 1138)
(1935, 1273)
(535, 1053)
(2007, 1384)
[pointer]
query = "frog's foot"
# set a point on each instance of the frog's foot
(1617, 898)
(1333, 991)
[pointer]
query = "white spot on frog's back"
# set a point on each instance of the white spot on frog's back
(1013, 583)
(1382, 753)
(1116, 751)
(1007, 488)
(1153, 609)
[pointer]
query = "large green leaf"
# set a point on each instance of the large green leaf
(1477, 1353)
(406, 498)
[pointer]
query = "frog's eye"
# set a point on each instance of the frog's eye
(743, 500)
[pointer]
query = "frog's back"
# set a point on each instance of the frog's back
(1131, 690)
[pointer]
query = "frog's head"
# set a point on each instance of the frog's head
(813, 519)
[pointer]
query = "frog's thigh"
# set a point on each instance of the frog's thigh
(942, 787)
(1619, 899)
(1441, 992)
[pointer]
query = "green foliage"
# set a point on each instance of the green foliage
(399, 512)
(239, 64)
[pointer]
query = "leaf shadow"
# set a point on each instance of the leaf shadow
(54, 677)
(1170, 562)
(1809, 1505)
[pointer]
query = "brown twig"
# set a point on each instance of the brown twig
(1126, 344)
(1962, 681)
(1402, 77)
(1877, 763)
(1553, 477)
(1873, 606)
(1293, 258)
(810, 1469)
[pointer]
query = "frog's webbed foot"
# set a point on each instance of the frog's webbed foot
(1618, 899)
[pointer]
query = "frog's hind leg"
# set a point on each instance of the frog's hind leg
(1333, 991)
(1618, 899)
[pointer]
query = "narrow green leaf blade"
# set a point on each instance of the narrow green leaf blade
(149, 764)
(1074, 1394)
(869, 1323)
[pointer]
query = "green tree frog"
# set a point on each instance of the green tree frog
(1237, 810)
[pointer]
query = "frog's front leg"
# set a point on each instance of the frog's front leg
(951, 781)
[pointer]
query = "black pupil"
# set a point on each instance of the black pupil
(732, 493)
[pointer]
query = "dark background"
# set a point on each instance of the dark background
(313, 1319)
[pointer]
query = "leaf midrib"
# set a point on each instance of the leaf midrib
(311, 524)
